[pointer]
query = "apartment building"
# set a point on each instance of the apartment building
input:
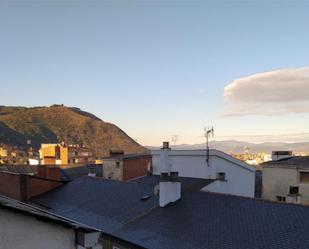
(62, 154)
(54, 154)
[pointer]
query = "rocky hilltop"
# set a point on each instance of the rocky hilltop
(29, 127)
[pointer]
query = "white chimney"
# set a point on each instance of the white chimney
(170, 189)
(170, 186)
(165, 160)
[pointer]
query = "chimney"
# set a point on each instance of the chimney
(279, 155)
(165, 160)
(91, 171)
(170, 186)
(166, 145)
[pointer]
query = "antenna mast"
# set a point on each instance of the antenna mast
(174, 138)
(207, 134)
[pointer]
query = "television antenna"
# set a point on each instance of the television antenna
(208, 133)
(174, 138)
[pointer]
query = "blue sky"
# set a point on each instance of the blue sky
(154, 68)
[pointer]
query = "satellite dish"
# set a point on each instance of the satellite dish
(156, 190)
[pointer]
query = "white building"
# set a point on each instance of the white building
(24, 226)
(231, 176)
(33, 161)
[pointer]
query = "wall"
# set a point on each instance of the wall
(13, 185)
(64, 155)
(239, 181)
(277, 180)
(49, 161)
(111, 170)
(240, 177)
(23, 187)
(3, 152)
(18, 231)
(135, 167)
(37, 186)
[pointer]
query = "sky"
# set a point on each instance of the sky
(158, 68)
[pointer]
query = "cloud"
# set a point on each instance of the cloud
(271, 93)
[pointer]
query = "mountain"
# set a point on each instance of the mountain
(25, 127)
(233, 146)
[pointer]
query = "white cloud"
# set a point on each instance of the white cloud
(271, 93)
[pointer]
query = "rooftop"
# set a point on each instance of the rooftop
(23, 208)
(127, 156)
(294, 162)
(187, 183)
(199, 220)
(69, 172)
(19, 169)
(105, 204)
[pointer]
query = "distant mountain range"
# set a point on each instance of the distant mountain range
(233, 146)
(25, 127)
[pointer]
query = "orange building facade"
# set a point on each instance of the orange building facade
(61, 154)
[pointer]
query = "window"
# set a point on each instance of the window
(281, 198)
(221, 176)
(117, 165)
(304, 177)
(294, 190)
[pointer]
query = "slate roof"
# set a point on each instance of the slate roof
(23, 208)
(187, 183)
(295, 161)
(127, 156)
(19, 169)
(200, 220)
(67, 172)
(203, 220)
(72, 173)
(105, 204)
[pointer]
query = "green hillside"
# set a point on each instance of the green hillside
(59, 123)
